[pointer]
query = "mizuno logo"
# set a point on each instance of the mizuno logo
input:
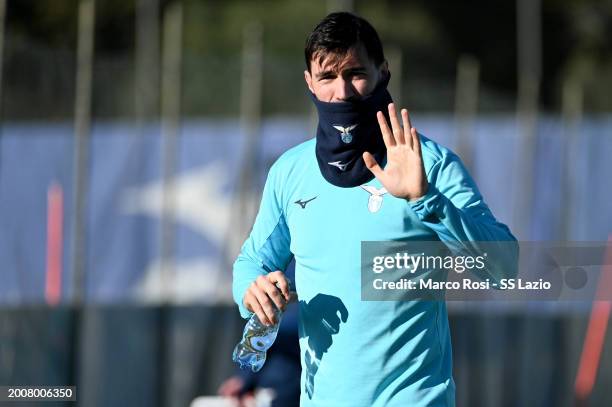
(303, 203)
(339, 165)
(345, 132)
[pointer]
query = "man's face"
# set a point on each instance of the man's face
(344, 78)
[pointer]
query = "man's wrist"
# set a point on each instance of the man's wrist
(427, 204)
(424, 188)
(414, 200)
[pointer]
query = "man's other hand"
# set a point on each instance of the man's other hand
(267, 292)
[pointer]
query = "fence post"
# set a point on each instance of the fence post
(529, 73)
(466, 107)
(170, 112)
(82, 128)
(146, 73)
(572, 106)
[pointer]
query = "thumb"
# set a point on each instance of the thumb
(372, 165)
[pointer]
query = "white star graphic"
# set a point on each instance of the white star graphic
(202, 205)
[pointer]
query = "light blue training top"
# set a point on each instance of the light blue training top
(362, 353)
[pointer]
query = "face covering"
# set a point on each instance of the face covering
(345, 131)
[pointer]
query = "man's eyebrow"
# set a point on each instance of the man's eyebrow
(350, 70)
(325, 73)
(356, 68)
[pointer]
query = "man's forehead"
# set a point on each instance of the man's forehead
(337, 61)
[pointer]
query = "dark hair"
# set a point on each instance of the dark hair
(339, 32)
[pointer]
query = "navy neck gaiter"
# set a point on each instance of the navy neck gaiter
(345, 131)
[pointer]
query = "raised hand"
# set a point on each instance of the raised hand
(404, 175)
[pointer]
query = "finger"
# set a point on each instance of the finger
(252, 304)
(293, 297)
(267, 307)
(372, 165)
(276, 296)
(280, 280)
(384, 129)
(258, 288)
(407, 127)
(408, 119)
(395, 125)
(272, 292)
(416, 142)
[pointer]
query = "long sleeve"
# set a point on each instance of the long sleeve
(455, 210)
(267, 247)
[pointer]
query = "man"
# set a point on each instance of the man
(367, 176)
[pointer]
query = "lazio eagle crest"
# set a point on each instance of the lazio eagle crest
(345, 133)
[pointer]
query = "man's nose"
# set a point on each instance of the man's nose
(344, 90)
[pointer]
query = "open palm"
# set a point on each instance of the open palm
(404, 175)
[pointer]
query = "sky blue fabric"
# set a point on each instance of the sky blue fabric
(354, 352)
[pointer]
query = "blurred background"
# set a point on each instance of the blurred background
(135, 137)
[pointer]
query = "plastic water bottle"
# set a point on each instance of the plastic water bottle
(250, 353)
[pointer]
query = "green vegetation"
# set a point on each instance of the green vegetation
(39, 55)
